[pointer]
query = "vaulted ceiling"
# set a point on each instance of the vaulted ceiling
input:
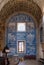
(39, 2)
(8, 7)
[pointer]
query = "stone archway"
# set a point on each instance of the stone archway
(15, 6)
(19, 5)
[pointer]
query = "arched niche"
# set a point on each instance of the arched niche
(28, 35)
(15, 6)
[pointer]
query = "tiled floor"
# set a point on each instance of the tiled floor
(29, 62)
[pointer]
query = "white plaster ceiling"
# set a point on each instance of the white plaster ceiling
(39, 2)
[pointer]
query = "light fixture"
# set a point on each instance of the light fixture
(6, 49)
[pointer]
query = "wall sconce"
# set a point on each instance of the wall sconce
(5, 51)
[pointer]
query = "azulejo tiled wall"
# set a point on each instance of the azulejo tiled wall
(29, 36)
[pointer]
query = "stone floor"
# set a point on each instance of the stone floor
(29, 62)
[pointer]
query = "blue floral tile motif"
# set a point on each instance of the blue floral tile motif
(21, 18)
(12, 35)
(11, 27)
(21, 35)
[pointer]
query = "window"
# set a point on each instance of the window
(21, 47)
(21, 27)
